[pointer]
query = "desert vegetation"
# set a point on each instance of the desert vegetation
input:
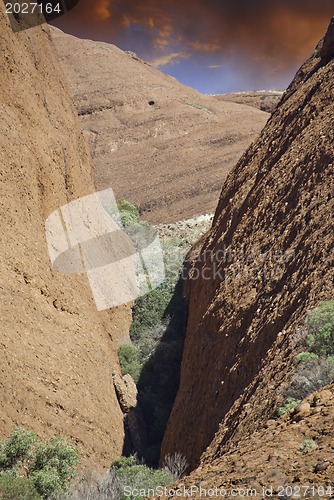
(32, 468)
(153, 358)
(315, 363)
(129, 478)
(36, 469)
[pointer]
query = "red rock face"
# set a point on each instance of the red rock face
(58, 353)
(327, 49)
(272, 243)
(293, 453)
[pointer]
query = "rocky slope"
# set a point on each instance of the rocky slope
(161, 145)
(294, 455)
(266, 260)
(265, 101)
(57, 352)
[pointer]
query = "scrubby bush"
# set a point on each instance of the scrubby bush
(17, 488)
(126, 479)
(306, 357)
(125, 213)
(315, 367)
(128, 356)
(47, 466)
(307, 445)
(46, 481)
(149, 310)
(289, 404)
(136, 476)
(320, 324)
(311, 376)
(175, 463)
(128, 212)
(55, 458)
(18, 450)
(93, 487)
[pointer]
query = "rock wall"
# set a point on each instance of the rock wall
(58, 354)
(266, 260)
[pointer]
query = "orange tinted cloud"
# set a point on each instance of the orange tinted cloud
(260, 33)
(169, 59)
(101, 10)
(288, 27)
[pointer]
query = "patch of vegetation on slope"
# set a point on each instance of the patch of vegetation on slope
(153, 358)
(32, 469)
(315, 364)
(129, 477)
(36, 469)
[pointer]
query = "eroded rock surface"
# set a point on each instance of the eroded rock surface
(267, 259)
(58, 353)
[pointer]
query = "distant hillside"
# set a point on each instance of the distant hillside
(163, 146)
(263, 100)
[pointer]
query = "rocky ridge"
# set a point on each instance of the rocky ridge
(265, 262)
(264, 100)
(290, 456)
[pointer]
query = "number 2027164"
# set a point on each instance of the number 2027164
(32, 7)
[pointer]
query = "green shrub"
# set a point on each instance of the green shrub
(307, 445)
(149, 310)
(320, 324)
(128, 356)
(125, 462)
(47, 465)
(46, 482)
(289, 404)
(306, 357)
(124, 213)
(125, 472)
(137, 476)
(18, 448)
(315, 368)
(56, 456)
(17, 488)
(128, 212)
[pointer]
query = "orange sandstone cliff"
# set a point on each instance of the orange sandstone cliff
(58, 354)
(267, 259)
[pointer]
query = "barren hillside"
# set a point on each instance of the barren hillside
(159, 144)
(267, 259)
(266, 101)
(57, 352)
